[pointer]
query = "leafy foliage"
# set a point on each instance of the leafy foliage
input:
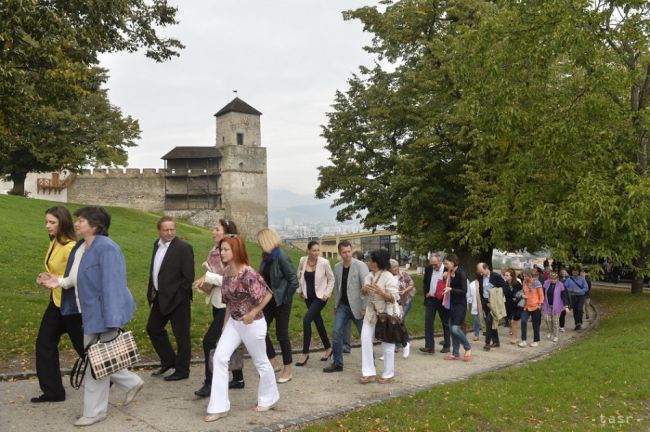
(54, 112)
(504, 124)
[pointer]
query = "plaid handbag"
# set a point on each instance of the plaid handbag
(106, 358)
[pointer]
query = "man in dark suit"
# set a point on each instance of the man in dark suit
(486, 281)
(169, 294)
(433, 305)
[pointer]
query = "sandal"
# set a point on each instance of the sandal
(381, 380)
(263, 409)
(468, 356)
(367, 379)
(451, 357)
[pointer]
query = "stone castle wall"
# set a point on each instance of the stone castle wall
(244, 187)
(142, 189)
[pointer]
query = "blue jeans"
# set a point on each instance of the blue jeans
(407, 308)
(536, 315)
(342, 317)
(477, 325)
(458, 337)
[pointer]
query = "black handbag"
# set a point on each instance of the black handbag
(389, 328)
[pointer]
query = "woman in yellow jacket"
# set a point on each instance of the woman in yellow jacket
(58, 223)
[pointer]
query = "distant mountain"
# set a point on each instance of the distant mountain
(302, 209)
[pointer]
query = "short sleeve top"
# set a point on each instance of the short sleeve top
(243, 292)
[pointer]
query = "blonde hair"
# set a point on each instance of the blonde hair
(268, 239)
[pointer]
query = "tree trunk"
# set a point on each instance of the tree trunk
(637, 276)
(18, 178)
(468, 261)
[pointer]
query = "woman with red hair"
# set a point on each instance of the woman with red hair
(245, 294)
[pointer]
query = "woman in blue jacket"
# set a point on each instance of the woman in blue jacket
(97, 271)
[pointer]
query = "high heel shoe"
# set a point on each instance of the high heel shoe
(327, 357)
(302, 363)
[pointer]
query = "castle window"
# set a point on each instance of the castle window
(240, 139)
(241, 165)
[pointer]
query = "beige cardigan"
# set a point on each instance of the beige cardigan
(376, 303)
(324, 278)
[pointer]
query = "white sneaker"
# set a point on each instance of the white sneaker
(522, 344)
(406, 351)
(381, 358)
(87, 421)
(534, 344)
(130, 395)
(548, 336)
(562, 329)
(555, 339)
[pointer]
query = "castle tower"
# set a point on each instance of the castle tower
(243, 181)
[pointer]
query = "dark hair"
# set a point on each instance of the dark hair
(358, 255)
(164, 219)
(453, 258)
(239, 254)
(381, 257)
(229, 227)
(65, 232)
(312, 244)
(513, 273)
(344, 243)
(97, 217)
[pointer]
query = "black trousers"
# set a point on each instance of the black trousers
(432, 306)
(180, 320)
(53, 326)
(314, 307)
(211, 338)
(491, 335)
(281, 315)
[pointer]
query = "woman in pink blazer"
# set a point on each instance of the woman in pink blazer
(316, 283)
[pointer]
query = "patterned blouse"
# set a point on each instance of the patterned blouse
(243, 292)
(404, 282)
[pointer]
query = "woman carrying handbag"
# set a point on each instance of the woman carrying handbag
(381, 292)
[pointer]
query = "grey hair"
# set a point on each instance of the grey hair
(394, 262)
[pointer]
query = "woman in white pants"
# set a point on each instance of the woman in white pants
(245, 294)
(382, 292)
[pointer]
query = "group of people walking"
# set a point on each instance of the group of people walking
(90, 301)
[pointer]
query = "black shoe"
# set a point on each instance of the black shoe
(177, 376)
(578, 327)
(495, 345)
(486, 347)
(427, 350)
(333, 368)
(236, 384)
(45, 398)
(203, 391)
(347, 350)
(161, 371)
(303, 362)
(444, 350)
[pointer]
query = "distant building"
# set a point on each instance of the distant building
(362, 241)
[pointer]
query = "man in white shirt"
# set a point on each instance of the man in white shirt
(169, 294)
(432, 303)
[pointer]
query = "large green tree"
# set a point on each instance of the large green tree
(521, 124)
(55, 113)
(567, 86)
(398, 149)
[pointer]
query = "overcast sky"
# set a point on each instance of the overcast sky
(285, 58)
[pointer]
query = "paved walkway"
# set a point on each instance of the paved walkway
(312, 394)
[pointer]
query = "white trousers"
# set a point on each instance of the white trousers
(253, 336)
(368, 355)
(96, 391)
